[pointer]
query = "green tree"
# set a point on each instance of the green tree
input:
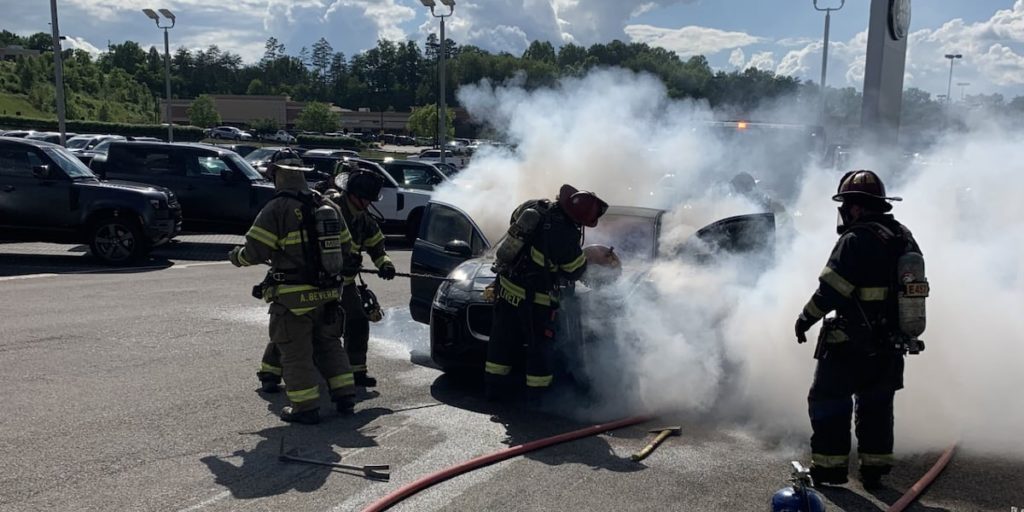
(256, 87)
(104, 112)
(265, 126)
(317, 117)
(423, 122)
(203, 112)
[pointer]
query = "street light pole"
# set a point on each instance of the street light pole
(167, 63)
(963, 87)
(949, 88)
(442, 114)
(824, 54)
(58, 73)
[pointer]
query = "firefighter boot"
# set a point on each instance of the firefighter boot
(871, 476)
(269, 383)
(345, 405)
(310, 417)
(364, 380)
(828, 476)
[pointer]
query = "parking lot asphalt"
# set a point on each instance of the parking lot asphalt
(135, 389)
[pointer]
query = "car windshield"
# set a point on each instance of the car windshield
(447, 169)
(72, 166)
(244, 167)
(260, 155)
(78, 143)
(102, 147)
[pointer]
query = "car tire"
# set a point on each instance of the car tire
(412, 226)
(117, 240)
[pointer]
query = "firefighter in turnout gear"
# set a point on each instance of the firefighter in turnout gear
(303, 238)
(860, 351)
(541, 251)
(360, 190)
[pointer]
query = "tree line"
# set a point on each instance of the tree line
(123, 83)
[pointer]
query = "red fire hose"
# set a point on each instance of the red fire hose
(486, 460)
(919, 487)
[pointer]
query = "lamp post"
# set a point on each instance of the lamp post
(167, 63)
(824, 52)
(442, 114)
(58, 73)
(949, 88)
(963, 86)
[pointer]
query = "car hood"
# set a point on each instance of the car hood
(127, 185)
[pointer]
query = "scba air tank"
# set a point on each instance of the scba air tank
(519, 233)
(912, 293)
(328, 234)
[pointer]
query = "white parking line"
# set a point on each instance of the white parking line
(27, 276)
(210, 501)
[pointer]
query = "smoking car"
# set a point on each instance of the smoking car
(451, 244)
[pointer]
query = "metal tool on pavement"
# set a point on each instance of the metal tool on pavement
(404, 274)
(375, 471)
(663, 433)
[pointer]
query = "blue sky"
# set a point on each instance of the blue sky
(780, 35)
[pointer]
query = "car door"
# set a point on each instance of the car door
(157, 164)
(31, 202)
(219, 204)
(434, 253)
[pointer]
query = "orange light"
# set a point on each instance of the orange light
(742, 125)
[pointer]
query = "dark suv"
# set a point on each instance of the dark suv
(219, 191)
(48, 195)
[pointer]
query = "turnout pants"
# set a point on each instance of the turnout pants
(357, 328)
(518, 326)
(848, 384)
(306, 347)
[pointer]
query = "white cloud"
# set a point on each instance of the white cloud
(79, 43)
(385, 14)
(765, 61)
(737, 58)
(691, 40)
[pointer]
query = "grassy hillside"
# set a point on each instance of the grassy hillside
(18, 105)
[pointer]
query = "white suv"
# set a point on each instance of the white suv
(229, 132)
(280, 136)
(458, 158)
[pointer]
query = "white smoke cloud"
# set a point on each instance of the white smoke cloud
(718, 339)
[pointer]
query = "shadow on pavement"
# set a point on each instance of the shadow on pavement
(850, 501)
(260, 473)
(524, 424)
(77, 259)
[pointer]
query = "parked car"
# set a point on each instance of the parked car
(18, 133)
(229, 132)
(280, 136)
(400, 206)
(260, 158)
(413, 174)
(80, 143)
(47, 195)
(51, 137)
(456, 158)
(450, 244)
(219, 191)
(323, 161)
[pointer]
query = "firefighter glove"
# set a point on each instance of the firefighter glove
(233, 256)
(387, 272)
(802, 326)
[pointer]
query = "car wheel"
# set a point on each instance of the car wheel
(412, 226)
(117, 240)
